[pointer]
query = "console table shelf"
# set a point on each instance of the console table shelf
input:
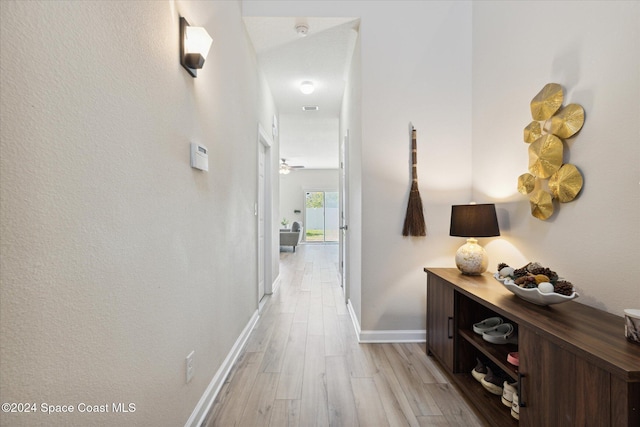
(487, 404)
(575, 364)
(497, 353)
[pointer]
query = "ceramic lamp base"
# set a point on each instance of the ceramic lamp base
(471, 258)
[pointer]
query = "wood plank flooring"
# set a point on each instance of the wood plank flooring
(303, 366)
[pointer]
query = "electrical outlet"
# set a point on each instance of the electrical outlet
(189, 361)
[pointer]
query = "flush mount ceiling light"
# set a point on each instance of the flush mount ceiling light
(307, 87)
(195, 43)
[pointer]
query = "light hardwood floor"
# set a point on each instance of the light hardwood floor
(303, 365)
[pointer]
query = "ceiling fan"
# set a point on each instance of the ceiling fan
(285, 168)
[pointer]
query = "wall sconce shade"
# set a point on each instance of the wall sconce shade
(195, 43)
(473, 221)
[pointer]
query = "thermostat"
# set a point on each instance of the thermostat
(199, 157)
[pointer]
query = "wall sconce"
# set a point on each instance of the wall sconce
(473, 221)
(195, 43)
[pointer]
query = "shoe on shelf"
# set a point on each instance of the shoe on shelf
(508, 391)
(501, 334)
(479, 371)
(493, 382)
(486, 325)
(513, 358)
(515, 407)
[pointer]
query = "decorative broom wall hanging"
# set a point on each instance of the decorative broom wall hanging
(414, 220)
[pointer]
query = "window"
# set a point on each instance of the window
(321, 216)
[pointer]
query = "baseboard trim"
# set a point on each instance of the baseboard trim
(372, 337)
(275, 285)
(354, 318)
(206, 401)
(393, 336)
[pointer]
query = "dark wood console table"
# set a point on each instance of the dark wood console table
(576, 367)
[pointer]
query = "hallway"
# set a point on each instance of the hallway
(303, 366)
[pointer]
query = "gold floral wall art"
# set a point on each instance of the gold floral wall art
(549, 178)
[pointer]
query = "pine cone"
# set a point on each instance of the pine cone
(526, 282)
(563, 287)
(552, 275)
(520, 272)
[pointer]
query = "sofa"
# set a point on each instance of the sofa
(291, 237)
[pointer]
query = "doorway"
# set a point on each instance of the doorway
(263, 211)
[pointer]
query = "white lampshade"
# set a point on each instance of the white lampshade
(197, 40)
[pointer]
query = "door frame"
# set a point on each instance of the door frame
(344, 216)
(265, 140)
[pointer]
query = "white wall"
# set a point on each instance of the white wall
(309, 136)
(294, 185)
(118, 258)
(592, 51)
(410, 74)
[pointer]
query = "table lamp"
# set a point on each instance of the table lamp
(473, 221)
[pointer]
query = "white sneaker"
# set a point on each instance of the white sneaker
(508, 389)
(515, 407)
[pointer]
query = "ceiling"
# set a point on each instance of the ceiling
(323, 56)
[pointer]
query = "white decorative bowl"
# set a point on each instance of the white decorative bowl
(498, 278)
(533, 295)
(632, 325)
